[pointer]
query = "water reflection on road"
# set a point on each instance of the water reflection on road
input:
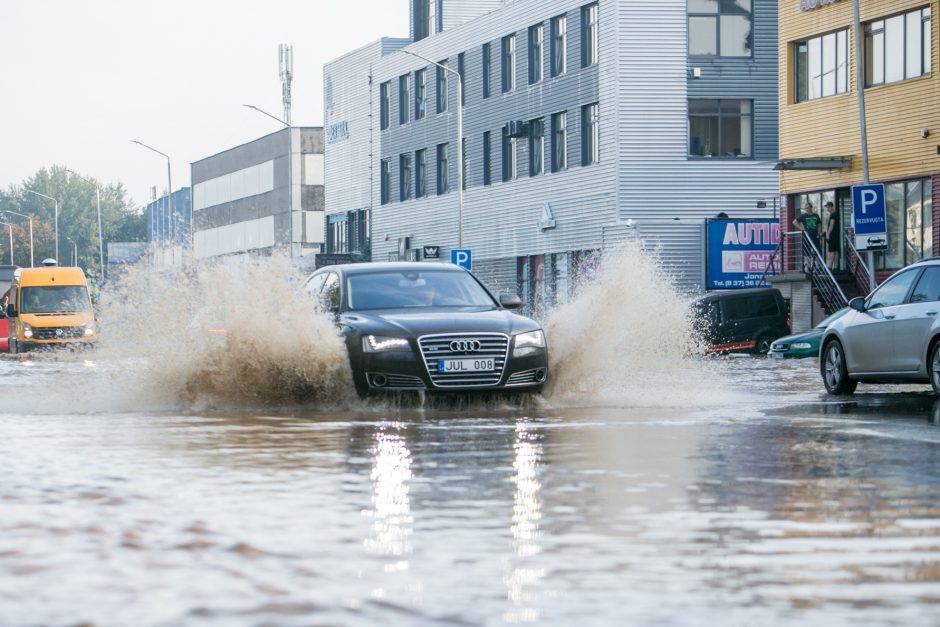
(786, 507)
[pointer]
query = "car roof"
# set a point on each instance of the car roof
(393, 266)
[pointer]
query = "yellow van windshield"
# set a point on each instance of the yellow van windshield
(54, 299)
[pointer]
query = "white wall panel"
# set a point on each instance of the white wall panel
(234, 238)
(244, 183)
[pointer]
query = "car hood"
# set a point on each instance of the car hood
(77, 319)
(433, 320)
(808, 336)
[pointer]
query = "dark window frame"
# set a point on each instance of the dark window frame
(721, 115)
(487, 158)
(536, 147)
(536, 46)
(926, 61)
(590, 134)
(385, 105)
(421, 93)
(385, 181)
(441, 88)
(404, 98)
(717, 15)
(487, 66)
(559, 157)
(559, 54)
(404, 176)
(421, 173)
(590, 35)
(801, 91)
(443, 167)
(508, 63)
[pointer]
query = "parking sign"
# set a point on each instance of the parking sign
(869, 217)
(462, 257)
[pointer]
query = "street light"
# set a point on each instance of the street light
(459, 141)
(169, 179)
(30, 218)
(98, 203)
(29, 191)
(290, 173)
(75, 253)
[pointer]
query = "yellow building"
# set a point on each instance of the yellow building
(820, 130)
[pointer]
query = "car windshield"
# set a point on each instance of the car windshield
(393, 290)
(826, 322)
(57, 299)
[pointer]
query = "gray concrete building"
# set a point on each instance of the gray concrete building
(262, 196)
(583, 123)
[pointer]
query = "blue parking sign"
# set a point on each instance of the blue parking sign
(462, 257)
(869, 217)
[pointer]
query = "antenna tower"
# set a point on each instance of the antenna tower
(285, 55)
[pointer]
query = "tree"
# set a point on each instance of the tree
(78, 217)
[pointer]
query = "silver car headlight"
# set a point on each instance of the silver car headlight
(89, 329)
(381, 344)
(534, 339)
(27, 330)
(801, 345)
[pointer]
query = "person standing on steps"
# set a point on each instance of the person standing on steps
(810, 223)
(833, 236)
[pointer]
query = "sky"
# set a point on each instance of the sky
(80, 79)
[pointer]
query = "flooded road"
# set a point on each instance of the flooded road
(765, 503)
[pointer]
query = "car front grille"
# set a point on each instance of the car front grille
(780, 346)
(58, 333)
(434, 348)
(522, 378)
(400, 381)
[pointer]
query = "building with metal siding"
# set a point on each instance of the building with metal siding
(644, 181)
(261, 196)
(902, 114)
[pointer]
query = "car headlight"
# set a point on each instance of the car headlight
(532, 338)
(27, 330)
(802, 345)
(89, 329)
(380, 344)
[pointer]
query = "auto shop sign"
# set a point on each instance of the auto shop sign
(739, 252)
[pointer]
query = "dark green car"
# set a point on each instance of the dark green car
(804, 344)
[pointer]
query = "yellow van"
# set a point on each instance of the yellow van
(50, 307)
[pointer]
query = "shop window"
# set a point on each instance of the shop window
(910, 223)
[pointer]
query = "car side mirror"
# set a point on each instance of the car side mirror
(510, 301)
(857, 303)
(11, 310)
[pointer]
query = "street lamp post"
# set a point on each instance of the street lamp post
(75, 251)
(98, 203)
(32, 261)
(169, 182)
(459, 141)
(29, 191)
(290, 173)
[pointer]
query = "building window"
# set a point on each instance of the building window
(509, 156)
(720, 28)
(385, 103)
(589, 35)
(462, 71)
(910, 225)
(404, 176)
(487, 177)
(486, 70)
(559, 41)
(559, 141)
(536, 34)
(404, 99)
(421, 173)
(898, 48)
(442, 179)
(536, 147)
(441, 87)
(590, 135)
(509, 63)
(720, 128)
(421, 77)
(386, 170)
(822, 66)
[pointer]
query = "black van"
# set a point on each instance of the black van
(741, 320)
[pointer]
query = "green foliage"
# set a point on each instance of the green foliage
(78, 218)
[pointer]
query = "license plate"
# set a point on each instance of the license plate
(775, 355)
(466, 365)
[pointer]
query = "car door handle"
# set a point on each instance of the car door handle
(931, 313)
(890, 316)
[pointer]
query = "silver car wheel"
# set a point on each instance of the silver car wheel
(833, 366)
(935, 369)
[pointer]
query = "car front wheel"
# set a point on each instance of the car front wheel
(935, 368)
(834, 372)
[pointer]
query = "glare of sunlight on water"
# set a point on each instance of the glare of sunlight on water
(625, 339)
(391, 504)
(522, 581)
(226, 333)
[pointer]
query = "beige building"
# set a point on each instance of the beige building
(820, 134)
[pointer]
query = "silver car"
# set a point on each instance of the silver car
(889, 337)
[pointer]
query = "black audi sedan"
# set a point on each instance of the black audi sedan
(430, 326)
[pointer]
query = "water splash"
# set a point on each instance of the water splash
(627, 340)
(228, 333)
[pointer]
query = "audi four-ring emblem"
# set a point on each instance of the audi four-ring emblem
(465, 346)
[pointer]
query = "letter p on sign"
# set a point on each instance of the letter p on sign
(869, 198)
(462, 257)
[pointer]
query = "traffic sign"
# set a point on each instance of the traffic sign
(869, 217)
(462, 257)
